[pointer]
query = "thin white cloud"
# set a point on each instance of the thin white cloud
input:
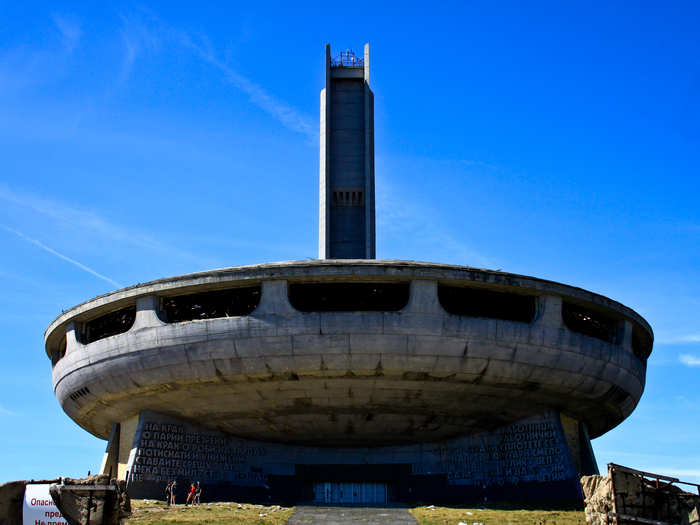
(399, 216)
(679, 339)
(683, 474)
(138, 39)
(6, 412)
(80, 265)
(95, 224)
(70, 31)
(141, 35)
(290, 117)
(689, 360)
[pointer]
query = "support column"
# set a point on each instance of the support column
(274, 299)
(72, 343)
(147, 313)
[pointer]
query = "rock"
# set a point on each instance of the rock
(597, 496)
(11, 500)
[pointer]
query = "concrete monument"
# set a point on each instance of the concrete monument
(349, 379)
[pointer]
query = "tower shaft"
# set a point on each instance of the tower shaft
(346, 222)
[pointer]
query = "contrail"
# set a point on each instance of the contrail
(64, 257)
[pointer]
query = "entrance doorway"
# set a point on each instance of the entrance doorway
(335, 492)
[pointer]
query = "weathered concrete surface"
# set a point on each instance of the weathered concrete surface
(11, 501)
(95, 507)
(351, 516)
(352, 377)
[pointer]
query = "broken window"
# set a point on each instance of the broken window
(349, 297)
(477, 302)
(107, 325)
(589, 322)
(233, 302)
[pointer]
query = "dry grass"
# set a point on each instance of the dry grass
(452, 516)
(149, 512)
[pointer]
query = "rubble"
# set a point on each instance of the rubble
(627, 496)
(95, 500)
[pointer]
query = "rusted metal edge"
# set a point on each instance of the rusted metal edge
(642, 473)
(611, 467)
(670, 479)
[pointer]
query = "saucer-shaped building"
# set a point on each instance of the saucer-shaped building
(348, 379)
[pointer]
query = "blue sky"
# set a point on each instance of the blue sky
(139, 141)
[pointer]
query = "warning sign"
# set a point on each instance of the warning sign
(39, 508)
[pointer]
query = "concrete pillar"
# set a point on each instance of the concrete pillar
(424, 298)
(127, 431)
(274, 299)
(324, 193)
(625, 335)
(72, 343)
(147, 313)
(110, 461)
(549, 311)
(370, 235)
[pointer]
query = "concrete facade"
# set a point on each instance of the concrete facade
(419, 400)
(284, 375)
(346, 198)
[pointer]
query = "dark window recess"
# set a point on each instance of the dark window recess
(589, 322)
(349, 197)
(211, 305)
(107, 325)
(475, 302)
(82, 392)
(641, 342)
(349, 297)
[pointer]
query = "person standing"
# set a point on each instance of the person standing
(168, 492)
(190, 495)
(173, 492)
(198, 494)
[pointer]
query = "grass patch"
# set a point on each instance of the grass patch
(150, 512)
(452, 516)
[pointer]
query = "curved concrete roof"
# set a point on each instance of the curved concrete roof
(349, 378)
(329, 269)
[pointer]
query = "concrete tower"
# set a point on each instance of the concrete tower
(346, 222)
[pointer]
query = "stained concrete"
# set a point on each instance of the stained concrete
(390, 377)
(351, 516)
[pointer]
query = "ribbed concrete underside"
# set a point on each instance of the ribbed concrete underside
(328, 411)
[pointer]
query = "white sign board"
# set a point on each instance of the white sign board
(39, 508)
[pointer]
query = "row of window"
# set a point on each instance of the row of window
(349, 297)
